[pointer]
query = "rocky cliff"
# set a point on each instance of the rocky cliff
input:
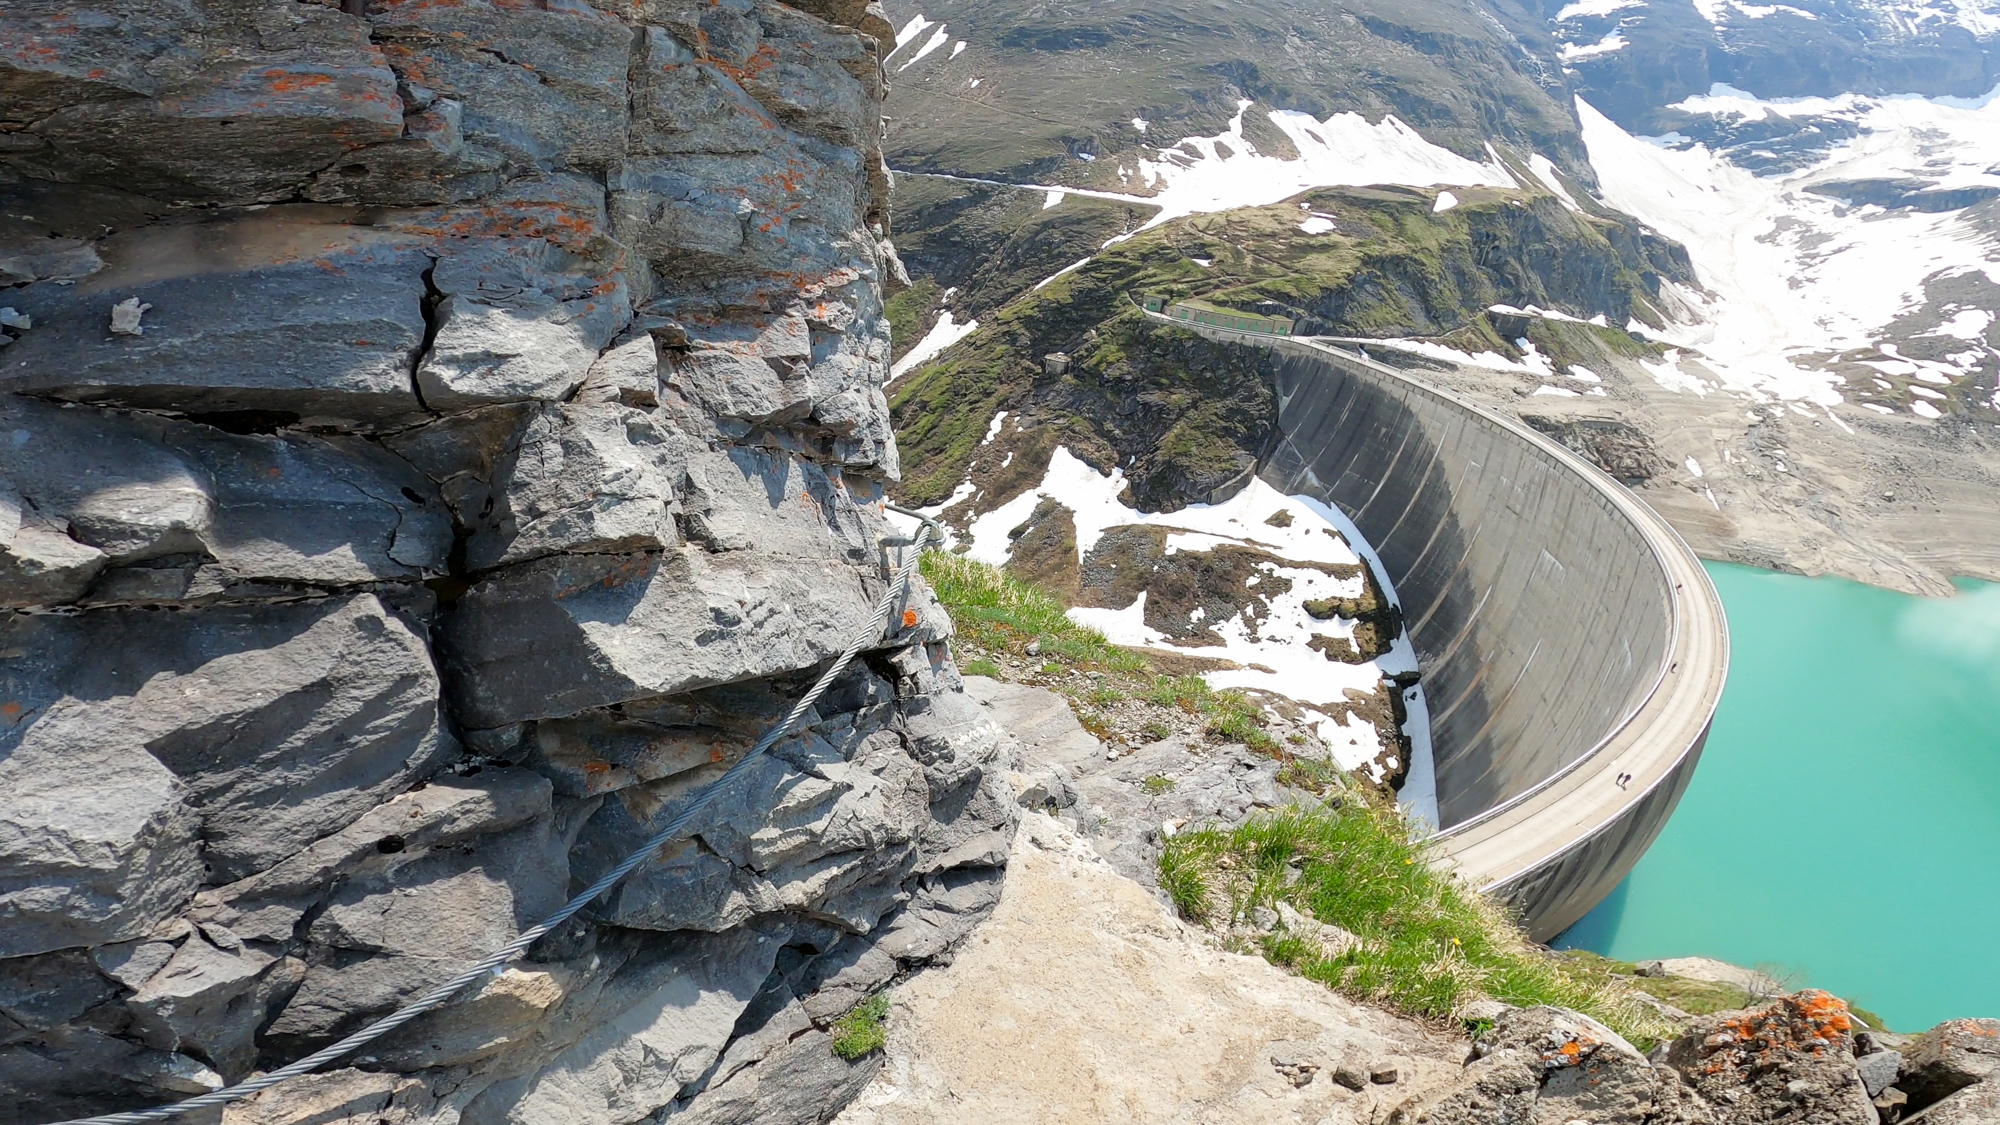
(438, 437)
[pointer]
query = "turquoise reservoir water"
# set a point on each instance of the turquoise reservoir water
(1844, 825)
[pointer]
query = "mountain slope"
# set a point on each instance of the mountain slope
(1631, 58)
(1063, 93)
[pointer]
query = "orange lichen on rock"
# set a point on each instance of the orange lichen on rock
(1810, 1021)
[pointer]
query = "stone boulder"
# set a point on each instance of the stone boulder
(566, 633)
(1552, 1066)
(1789, 1061)
(208, 997)
(157, 106)
(278, 312)
(1974, 1105)
(1948, 1058)
(39, 563)
(259, 729)
(98, 841)
(392, 929)
(183, 512)
(516, 321)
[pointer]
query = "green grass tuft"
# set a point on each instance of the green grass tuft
(863, 1030)
(980, 667)
(996, 611)
(1428, 944)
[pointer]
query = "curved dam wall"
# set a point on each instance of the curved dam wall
(1539, 614)
(1572, 648)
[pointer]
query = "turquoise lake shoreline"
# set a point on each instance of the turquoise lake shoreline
(1843, 827)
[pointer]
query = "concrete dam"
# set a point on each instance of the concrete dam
(1573, 649)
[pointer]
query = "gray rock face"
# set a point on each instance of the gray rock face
(182, 511)
(1878, 1071)
(1551, 1066)
(1948, 1058)
(1791, 1060)
(279, 311)
(485, 449)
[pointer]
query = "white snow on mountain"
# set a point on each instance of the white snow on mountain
(1570, 52)
(1719, 12)
(1904, 17)
(942, 335)
(909, 31)
(938, 39)
(1980, 17)
(1275, 651)
(1584, 8)
(1225, 171)
(1793, 274)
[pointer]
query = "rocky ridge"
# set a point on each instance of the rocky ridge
(439, 438)
(1086, 999)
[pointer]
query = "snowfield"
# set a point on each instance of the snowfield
(1277, 659)
(1794, 275)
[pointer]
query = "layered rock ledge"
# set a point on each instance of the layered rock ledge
(435, 439)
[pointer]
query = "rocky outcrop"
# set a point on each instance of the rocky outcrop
(1554, 1065)
(435, 441)
(1793, 1060)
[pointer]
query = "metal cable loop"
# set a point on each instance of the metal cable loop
(443, 993)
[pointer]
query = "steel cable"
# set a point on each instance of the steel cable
(444, 993)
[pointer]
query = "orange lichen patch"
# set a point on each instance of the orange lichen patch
(596, 768)
(562, 226)
(1580, 1045)
(909, 619)
(287, 82)
(1806, 1022)
(10, 711)
(760, 60)
(627, 569)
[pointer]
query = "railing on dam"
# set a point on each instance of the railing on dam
(1571, 645)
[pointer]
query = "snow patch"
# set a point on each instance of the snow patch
(1076, 265)
(1295, 670)
(1580, 8)
(1791, 275)
(1445, 202)
(1055, 196)
(1545, 171)
(909, 32)
(1223, 172)
(1966, 324)
(1610, 44)
(942, 335)
(1316, 225)
(938, 39)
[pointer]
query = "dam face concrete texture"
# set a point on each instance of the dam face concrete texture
(1540, 617)
(1571, 646)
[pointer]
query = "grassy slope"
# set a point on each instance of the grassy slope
(1060, 82)
(1427, 944)
(999, 615)
(1182, 415)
